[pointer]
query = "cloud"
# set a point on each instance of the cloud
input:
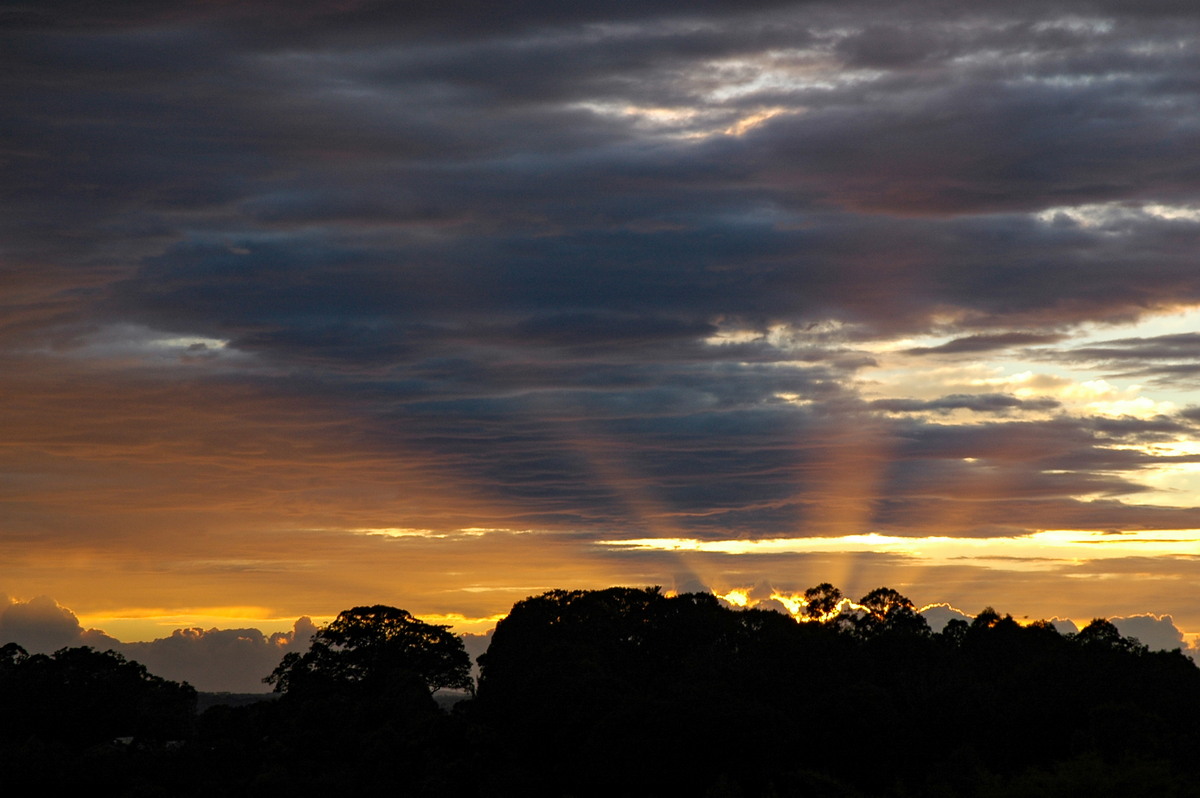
(974, 344)
(236, 660)
(576, 268)
(1165, 358)
(41, 625)
(938, 615)
(979, 403)
(220, 660)
(476, 645)
(1064, 626)
(1156, 631)
(216, 660)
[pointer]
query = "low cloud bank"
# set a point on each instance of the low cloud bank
(230, 660)
(42, 625)
(1159, 632)
(213, 660)
(236, 660)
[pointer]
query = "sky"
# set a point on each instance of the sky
(311, 305)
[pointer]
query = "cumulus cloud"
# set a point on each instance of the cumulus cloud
(1064, 626)
(938, 615)
(220, 660)
(1159, 632)
(41, 625)
(476, 645)
(216, 660)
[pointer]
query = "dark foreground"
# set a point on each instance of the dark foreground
(631, 692)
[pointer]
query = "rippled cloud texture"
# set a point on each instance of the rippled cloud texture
(307, 305)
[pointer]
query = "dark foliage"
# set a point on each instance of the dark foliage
(633, 692)
(360, 702)
(80, 717)
(373, 648)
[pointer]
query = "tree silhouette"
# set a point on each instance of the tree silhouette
(1102, 633)
(369, 645)
(821, 600)
(360, 701)
(631, 691)
(886, 611)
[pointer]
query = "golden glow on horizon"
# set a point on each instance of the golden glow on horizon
(738, 598)
(139, 624)
(461, 624)
(1035, 551)
(144, 625)
(794, 603)
(435, 534)
(400, 532)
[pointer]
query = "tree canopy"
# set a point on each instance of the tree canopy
(374, 644)
(580, 689)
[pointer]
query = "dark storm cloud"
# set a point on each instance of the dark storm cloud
(613, 267)
(472, 135)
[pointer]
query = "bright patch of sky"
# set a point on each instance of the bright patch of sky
(687, 122)
(136, 345)
(150, 623)
(463, 624)
(1110, 214)
(406, 532)
(1080, 387)
(786, 71)
(1038, 551)
(720, 92)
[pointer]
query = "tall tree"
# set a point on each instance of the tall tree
(370, 645)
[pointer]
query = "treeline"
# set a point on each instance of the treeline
(632, 692)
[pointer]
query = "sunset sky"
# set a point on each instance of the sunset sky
(307, 304)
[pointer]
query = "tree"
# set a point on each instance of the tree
(11, 655)
(374, 645)
(1102, 633)
(955, 631)
(886, 610)
(821, 601)
(77, 697)
(578, 685)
